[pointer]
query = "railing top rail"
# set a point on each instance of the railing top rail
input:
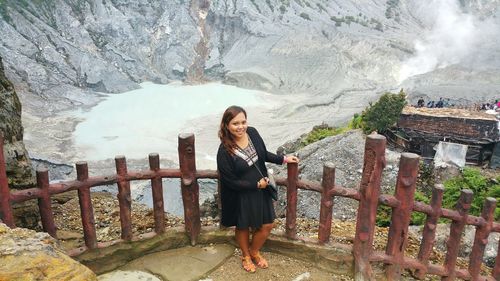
(17, 196)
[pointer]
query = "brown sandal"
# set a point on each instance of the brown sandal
(247, 264)
(260, 261)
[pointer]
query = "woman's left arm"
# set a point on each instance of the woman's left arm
(269, 156)
(273, 158)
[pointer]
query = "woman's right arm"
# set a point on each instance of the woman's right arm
(227, 174)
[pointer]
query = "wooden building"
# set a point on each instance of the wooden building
(420, 129)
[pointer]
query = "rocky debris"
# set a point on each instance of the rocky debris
(108, 228)
(346, 152)
(107, 219)
(199, 12)
(443, 232)
(57, 171)
(29, 255)
(27, 214)
(343, 232)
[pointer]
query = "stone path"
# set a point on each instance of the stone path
(183, 264)
(214, 263)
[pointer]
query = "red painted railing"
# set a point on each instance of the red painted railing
(402, 204)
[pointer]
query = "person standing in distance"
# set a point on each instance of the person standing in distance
(246, 204)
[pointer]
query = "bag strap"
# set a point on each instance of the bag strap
(245, 153)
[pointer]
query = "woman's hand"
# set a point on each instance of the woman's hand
(291, 159)
(262, 183)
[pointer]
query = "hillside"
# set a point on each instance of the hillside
(61, 54)
(342, 49)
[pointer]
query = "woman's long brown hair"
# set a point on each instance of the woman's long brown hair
(224, 135)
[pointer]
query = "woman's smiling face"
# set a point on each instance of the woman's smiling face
(238, 126)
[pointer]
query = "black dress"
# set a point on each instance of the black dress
(243, 204)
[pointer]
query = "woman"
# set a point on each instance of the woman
(243, 175)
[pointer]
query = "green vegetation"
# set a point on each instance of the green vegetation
(383, 218)
(392, 5)
(322, 131)
(378, 116)
(470, 178)
(4, 13)
(359, 19)
(338, 20)
(321, 8)
(286, 2)
(282, 9)
(426, 179)
(350, 19)
(481, 185)
(305, 16)
(300, 3)
(41, 8)
(384, 213)
(256, 6)
(418, 218)
(269, 4)
(381, 115)
(379, 27)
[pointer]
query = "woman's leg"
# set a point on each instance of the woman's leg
(243, 239)
(260, 237)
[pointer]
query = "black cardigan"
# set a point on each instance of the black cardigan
(232, 183)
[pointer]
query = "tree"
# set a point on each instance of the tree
(384, 113)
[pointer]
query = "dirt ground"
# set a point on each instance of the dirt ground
(280, 268)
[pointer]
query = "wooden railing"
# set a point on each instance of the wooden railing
(368, 195)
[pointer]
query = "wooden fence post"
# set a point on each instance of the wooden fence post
(124, 198)
(86, 209)
(401, 215)
(157, 189)
(325, 212)
(429, 232)
(5, 207)
(374, 163)
(44, 204)
(189, 186)
(481, 238)
(291, 200)
(456, 229)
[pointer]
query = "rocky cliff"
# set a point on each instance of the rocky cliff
(339, 52)
(61, 54)
(28, 255)
(16, 157)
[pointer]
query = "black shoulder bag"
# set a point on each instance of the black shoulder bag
(271, 185)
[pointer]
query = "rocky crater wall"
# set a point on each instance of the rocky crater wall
(17, 159)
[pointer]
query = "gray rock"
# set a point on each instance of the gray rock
(17, 160)
(343, 54)
(466, 242)
(346, 152)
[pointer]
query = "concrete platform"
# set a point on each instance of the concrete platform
(182, 264)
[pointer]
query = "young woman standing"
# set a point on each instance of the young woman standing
(246, 202)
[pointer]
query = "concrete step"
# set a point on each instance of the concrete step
(182, 264)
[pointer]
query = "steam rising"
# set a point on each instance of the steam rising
(453, 38)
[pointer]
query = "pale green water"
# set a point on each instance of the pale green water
(149, 119)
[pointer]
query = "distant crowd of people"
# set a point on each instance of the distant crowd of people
(490, 106)
(443, 103)
(434, 104)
